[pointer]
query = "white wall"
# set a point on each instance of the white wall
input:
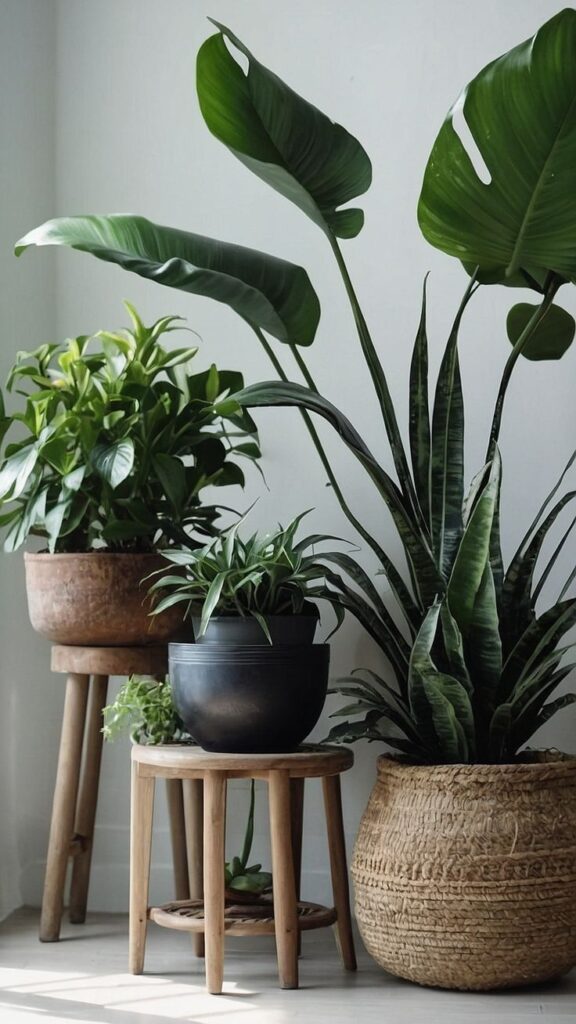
(129, 136)
(29, 703)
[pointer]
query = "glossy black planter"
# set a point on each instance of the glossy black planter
(242, 630)
(249, 699)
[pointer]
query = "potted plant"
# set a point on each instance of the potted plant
(467, 846)
(145, 708)
(116, 440)
(253, 681)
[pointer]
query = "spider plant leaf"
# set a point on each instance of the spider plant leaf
(419, 414)
(473, 553)
(518, 214)
(281, 137)
(270, 294)
(551, 338)
(211, 601)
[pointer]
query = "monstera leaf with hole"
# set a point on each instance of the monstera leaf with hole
(281, 137)
(521, 112)
(270, 294)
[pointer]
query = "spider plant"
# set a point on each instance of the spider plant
(472, 662)
(268, 574)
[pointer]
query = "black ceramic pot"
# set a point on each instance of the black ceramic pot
(241, 699)
(241, 630)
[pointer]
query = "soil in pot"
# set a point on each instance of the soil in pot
(249, 699)
(465, 875)
(97, 599)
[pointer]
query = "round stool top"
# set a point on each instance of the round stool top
(185, 761)
(110, 661)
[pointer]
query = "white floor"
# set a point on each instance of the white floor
(84, 978)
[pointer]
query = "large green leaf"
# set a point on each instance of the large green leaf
(281, 137)
(269, 293)
(521, 113)
(552, 336)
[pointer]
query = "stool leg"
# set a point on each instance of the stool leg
(338, 869)
(285, 910)
(194, 819)
(64, 806)
(141, 816)
(297, 820)
(87, 800)
(214, 852)
(178, 837)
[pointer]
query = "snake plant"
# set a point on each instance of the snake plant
(472, 662)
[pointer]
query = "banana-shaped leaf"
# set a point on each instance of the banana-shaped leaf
(268, 293)
(281, 137)
(520, 216)
(551, 337)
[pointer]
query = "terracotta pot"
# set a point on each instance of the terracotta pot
(97, 600)
(465, 875)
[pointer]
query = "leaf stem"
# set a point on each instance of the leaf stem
(552, 286)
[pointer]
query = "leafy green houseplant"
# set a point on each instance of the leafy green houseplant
(472, 663)
(253, 680)
(145, 707)
(263, 579)
(107, 455)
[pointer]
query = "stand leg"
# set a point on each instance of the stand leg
(338, 868)
(64, 806)
(87, 800)
(297, 821)
(285, 910)
(214, 851)
(178, 837)
(141, 815)
(194, 818)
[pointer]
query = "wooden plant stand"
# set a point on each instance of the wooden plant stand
(285, 916)
(78, 775)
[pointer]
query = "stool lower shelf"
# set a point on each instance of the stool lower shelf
(241, 918)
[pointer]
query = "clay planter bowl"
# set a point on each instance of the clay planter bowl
(97, 600)
(465, 875)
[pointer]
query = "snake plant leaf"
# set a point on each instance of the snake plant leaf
(521, 113)
(281, 137)
(447, 458)
(537, 642)
(270, 294)
(499, 734)
(285, 393)
(551, 338)
(473, 552)
(536, 713)
(484, 647)
(454, 647)
(419, 414)
(452, 717)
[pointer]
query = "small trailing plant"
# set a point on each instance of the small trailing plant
(144, 707)
(116, 442)
(268, 574)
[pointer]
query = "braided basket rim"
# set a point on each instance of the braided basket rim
(550, 765)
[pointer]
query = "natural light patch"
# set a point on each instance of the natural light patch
(460, 125)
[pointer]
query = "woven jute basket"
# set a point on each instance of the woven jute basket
(465, 875)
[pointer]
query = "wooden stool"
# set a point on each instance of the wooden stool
(286, 916)
(76, 788)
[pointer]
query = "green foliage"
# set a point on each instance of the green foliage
(144, 707)
(241, 876)
(473, 662)
(264, 575)
(117, 439)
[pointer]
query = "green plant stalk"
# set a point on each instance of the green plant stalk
(381, 388)
(393, 577)
(538, 315)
